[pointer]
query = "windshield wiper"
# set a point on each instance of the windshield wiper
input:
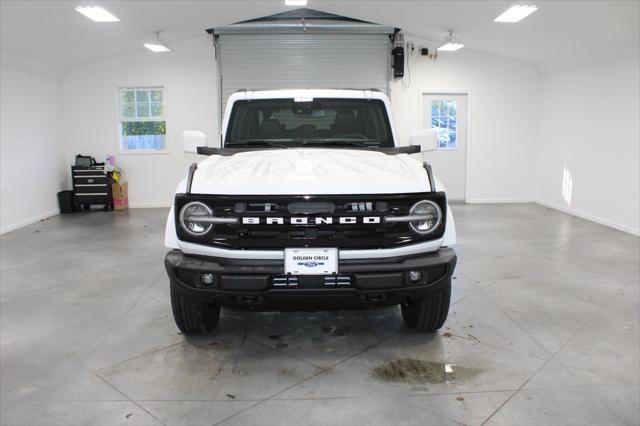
(340, 142)
(256, 142)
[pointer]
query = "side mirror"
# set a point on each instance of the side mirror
(192, 139)
(427, 139)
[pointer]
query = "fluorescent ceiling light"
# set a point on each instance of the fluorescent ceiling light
(295, 2)
(97, 13)
(516, 13)
(157, 46)
(450, 47)
(450, 44)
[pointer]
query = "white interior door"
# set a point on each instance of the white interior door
(448, 113)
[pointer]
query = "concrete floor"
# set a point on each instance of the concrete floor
(544, 329)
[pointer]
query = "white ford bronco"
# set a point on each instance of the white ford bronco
(311, 203)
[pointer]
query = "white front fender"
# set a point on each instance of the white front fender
(170, 236)
(449, 237)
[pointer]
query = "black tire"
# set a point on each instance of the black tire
(428, 314)
(193, 317)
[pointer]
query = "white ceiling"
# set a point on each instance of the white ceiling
(560, 34)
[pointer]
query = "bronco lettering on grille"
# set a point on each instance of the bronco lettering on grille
(344, 220)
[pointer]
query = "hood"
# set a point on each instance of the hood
(309, 171)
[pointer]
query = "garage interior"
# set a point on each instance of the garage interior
(540, 153)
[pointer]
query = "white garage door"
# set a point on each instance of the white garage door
(303, 60)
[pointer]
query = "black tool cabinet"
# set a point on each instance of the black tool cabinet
(91, 186)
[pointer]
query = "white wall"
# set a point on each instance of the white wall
(90, 112)
(589, 149)
(518, 148)
(31, 165)
(504, 105)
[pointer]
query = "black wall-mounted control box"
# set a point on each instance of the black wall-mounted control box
(398, 61)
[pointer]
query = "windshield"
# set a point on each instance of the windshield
(302, 122)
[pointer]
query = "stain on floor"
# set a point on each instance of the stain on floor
(415, 371)
(336, 330)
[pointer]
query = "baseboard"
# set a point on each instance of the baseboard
(615, 225)
(29, 221)
(499, 200)
(149, 205)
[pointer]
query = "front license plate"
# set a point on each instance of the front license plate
(307, 261)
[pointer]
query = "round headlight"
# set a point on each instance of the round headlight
(190, 216)
(431, 216)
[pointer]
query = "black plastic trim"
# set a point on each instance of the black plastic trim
(249, 285)
(227, 152)
(192, 170)
(432, 182)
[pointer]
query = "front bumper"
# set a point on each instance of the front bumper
(262, 285)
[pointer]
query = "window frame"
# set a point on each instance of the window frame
(444, 148)
(120, 119)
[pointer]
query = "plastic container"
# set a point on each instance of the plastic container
(66, 201)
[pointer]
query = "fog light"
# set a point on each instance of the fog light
(415, 276)
(207, 279)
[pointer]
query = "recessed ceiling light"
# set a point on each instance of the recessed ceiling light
(97, 13)
(295, 2)
(516, 13)
(450, 44)
(157, 45)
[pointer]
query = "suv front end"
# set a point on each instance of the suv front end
(233, 251)
(310, 204)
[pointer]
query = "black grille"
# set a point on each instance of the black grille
(310, 215)
(311, 281)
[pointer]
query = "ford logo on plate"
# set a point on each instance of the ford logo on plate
(310, 264)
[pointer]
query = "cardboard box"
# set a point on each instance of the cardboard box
(120, 196)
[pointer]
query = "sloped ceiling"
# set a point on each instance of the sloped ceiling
(560, 34)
